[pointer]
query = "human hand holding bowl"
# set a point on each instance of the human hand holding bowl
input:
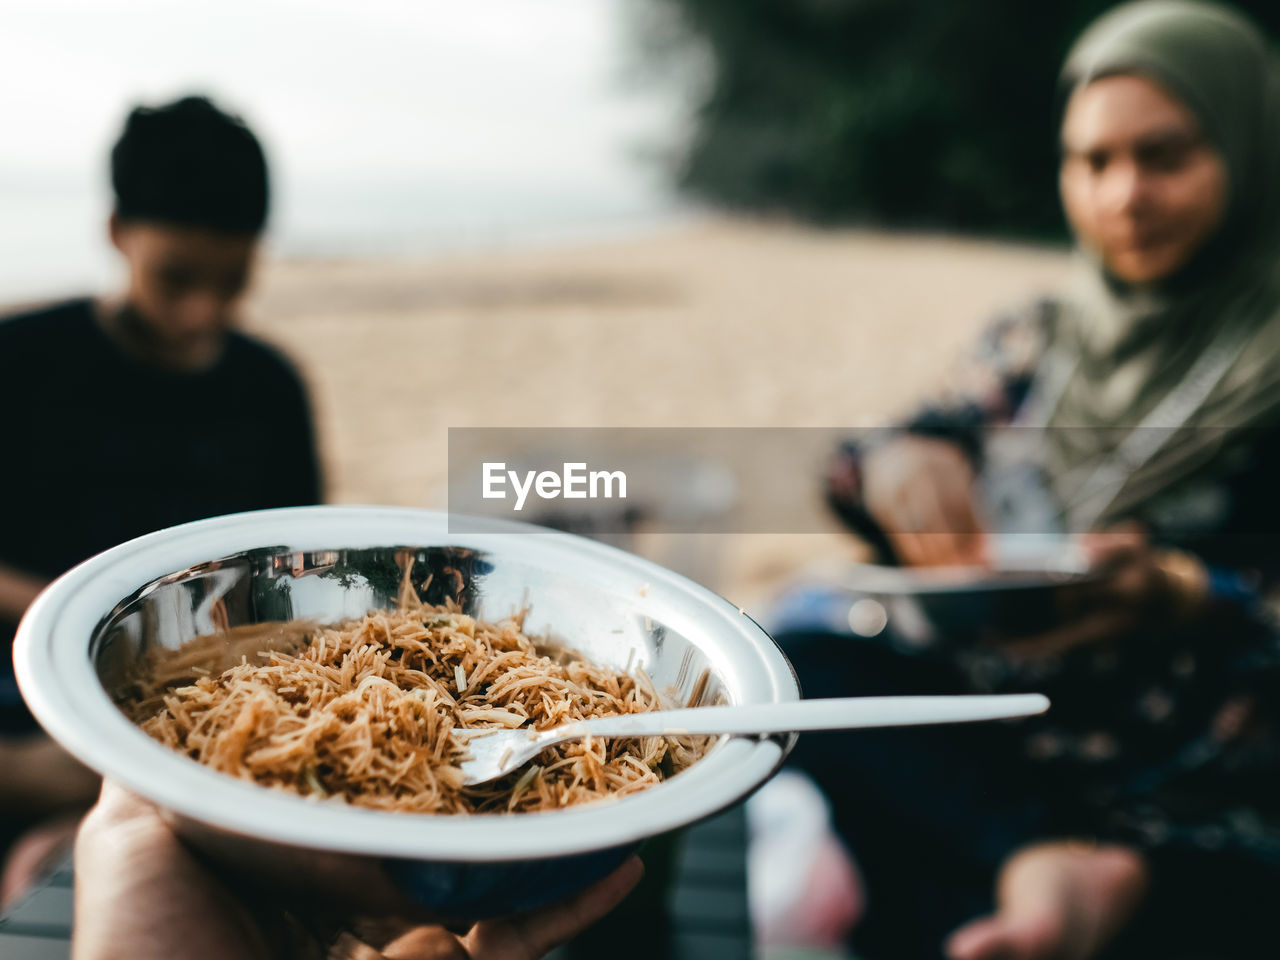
(1137, 587)
(140, 892)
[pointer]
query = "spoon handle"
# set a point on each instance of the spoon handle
(844, 713)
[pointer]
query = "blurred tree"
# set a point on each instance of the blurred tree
(904, 112)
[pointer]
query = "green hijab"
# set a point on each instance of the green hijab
(1119, 352)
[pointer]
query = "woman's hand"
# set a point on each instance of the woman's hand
(141, 894)
(920, 491)
(1138, 588)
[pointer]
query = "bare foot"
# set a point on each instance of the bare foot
(1056, 901)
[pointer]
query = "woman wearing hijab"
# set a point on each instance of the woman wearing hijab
(1142, 814)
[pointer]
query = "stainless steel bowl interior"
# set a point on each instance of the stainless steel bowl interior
(273, 588)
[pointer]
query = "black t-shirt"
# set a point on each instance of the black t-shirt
(97, 448)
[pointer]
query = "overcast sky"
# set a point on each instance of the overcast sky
(395, 111)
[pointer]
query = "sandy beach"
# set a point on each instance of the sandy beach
(718, 323)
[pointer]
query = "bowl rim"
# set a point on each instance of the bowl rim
(61, 687)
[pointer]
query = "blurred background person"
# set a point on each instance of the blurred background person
(142, 410)
(1145, 403)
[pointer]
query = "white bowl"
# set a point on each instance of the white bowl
(79, 646)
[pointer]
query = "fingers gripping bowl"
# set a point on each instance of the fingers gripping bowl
(82, 646)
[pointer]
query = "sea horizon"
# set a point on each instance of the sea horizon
(53, 236)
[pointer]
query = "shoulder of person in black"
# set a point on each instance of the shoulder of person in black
(68, 336)
(103, 448)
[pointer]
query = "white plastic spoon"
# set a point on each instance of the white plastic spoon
(495, 754)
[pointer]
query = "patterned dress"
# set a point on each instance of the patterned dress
(1165, 739)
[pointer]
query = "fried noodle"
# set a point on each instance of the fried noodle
(368, 711)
